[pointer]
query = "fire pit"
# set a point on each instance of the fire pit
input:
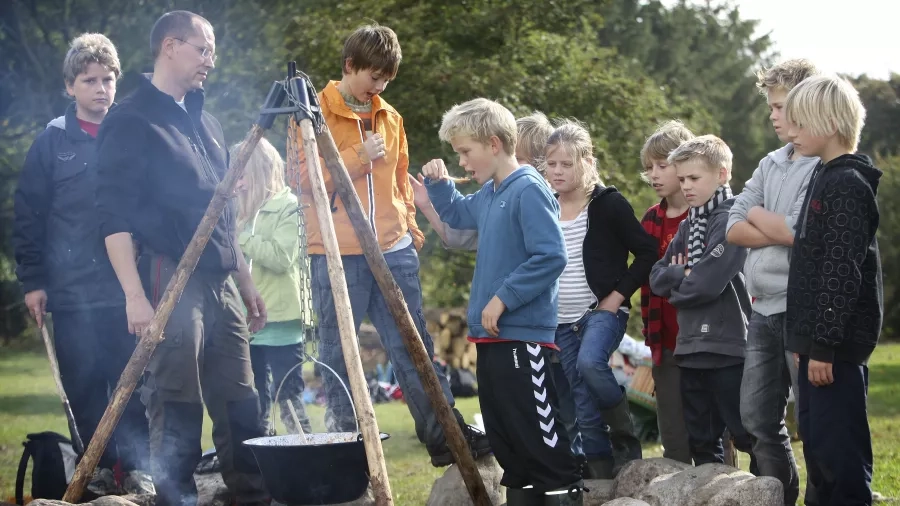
(313, 469)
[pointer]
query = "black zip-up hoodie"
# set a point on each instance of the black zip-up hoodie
(613, 231)
(835, 297)
(56, 235)
(158, 169)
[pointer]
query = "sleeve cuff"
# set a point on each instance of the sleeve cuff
(31, 285)
(509, 298)
(114, 225)
(821, 353)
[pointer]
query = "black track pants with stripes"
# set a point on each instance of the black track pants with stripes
(519, 406)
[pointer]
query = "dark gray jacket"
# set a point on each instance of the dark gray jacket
(56, 233)
(712, 302)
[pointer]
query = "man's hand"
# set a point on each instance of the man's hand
(139, 312)
(611, 302)
(435, 170)
(420, 194)
(491, 315)
(36, 302)
(374, 147)
(256, 308)
(819, 373)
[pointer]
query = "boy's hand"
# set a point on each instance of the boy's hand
(491, 315)
(374, 147)
(36, 302)
(435, 170)
(681, 259)
(819, 373)
(420, 194)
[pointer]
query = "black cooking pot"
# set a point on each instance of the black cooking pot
(330, 468)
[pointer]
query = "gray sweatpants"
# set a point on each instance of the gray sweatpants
(204, 359)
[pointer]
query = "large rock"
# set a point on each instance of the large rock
(450, 489)
(637, 474)
(599, 492)
(625, 501)
(760, 490)
(141, 500)
(211, 490)
(693, 486)
(48, 502)
(111, 500)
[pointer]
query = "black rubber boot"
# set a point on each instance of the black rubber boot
(626, 446)
(599, 469)
(573, 495)
(523, 497)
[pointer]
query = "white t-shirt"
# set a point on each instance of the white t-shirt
(575, 296)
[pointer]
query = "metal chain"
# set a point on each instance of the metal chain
(292, 169)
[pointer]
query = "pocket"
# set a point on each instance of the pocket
(768, 271)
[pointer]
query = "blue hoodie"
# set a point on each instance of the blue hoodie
(521, 251)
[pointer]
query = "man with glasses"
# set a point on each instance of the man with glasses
(160, 157)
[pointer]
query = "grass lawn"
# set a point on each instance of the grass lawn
(28, 403)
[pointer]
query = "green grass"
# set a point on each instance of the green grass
(28, 403)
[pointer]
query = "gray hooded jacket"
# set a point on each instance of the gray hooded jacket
(778, 185)
(712, 302)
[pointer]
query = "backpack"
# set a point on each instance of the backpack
(54, 464)
(463, 382)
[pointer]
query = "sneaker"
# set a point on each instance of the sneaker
(478, 445)
(103, 482)
(138, 483)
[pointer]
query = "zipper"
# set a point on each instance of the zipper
(211, 176)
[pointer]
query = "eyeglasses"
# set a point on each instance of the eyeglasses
(205, 52)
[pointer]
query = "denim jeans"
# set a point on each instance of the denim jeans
(711, 400)
(286, 373)
(764, 398)
(585, 348)
(837, 444)
(366, 300)
(92, 348)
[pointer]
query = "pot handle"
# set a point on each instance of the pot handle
(336, 375)
(384, 436)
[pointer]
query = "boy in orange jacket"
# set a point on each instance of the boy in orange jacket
(370, 136)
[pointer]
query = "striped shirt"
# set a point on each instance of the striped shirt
(575, 296)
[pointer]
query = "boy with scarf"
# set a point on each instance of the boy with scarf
(701, 276)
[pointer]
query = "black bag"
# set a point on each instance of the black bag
(54, 464)
(462, 382)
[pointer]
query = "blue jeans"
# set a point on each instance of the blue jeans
(585, 348)
(764, 398)
(366, 300)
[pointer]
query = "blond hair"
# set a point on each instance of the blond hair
(372, 47)
(90, 48)
(264, 175)
(709, 149)
(532, 132)
(785, 75)
(480, 119)
(572, 136)
(664, 140)
(827, 105)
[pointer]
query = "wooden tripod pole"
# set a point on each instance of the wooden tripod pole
(153, 334)
(364, 411)
(393, 296)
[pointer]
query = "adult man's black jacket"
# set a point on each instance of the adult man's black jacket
(56, 236)
(158, 167)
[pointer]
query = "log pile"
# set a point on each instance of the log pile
(449, 331)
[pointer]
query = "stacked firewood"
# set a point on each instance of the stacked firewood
(449, 331)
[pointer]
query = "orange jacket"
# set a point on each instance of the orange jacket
(382, 185)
